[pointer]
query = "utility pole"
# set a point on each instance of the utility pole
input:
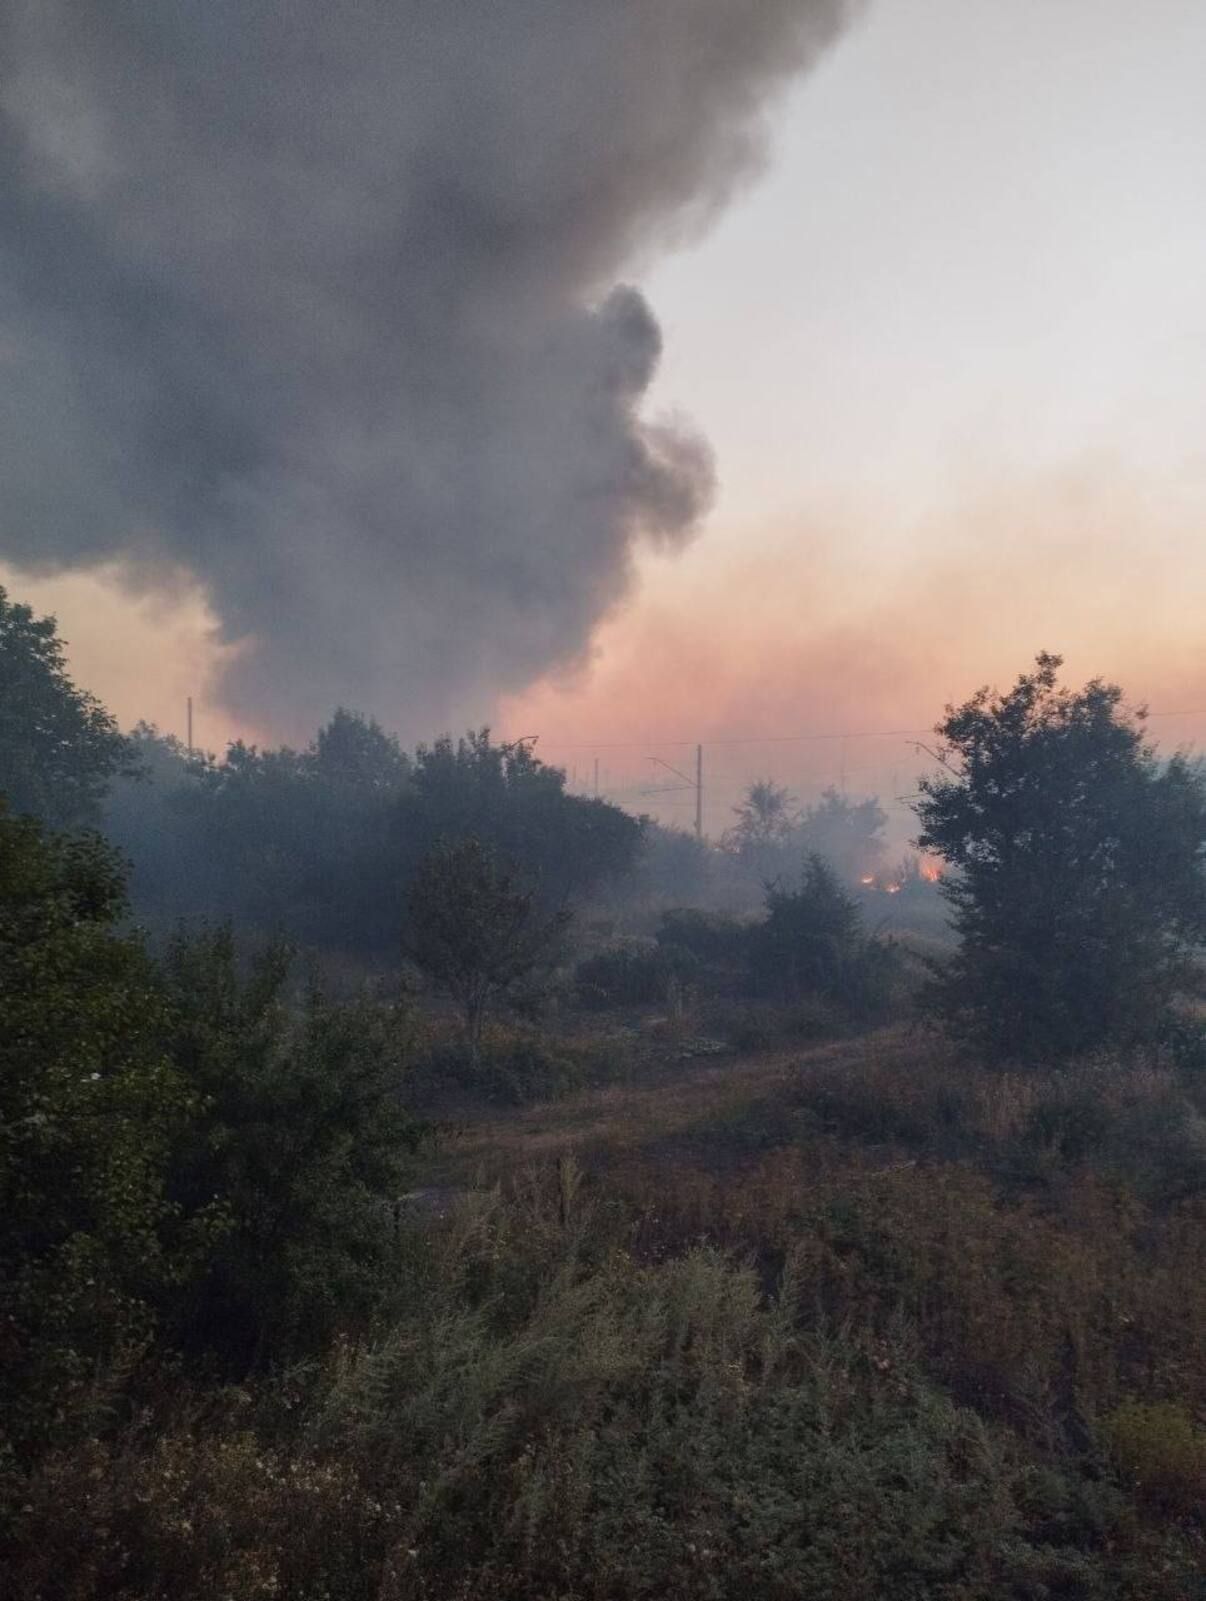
(688, 782)
(699, 791)
(596, 778)
(190, 725)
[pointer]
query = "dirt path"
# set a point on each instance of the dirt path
(739, 1103)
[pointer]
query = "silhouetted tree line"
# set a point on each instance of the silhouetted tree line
(773, 834)
(321, 843)
(1075, 856)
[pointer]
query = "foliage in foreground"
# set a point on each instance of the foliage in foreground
(300, 1135)
(186, 1160)
(906, 1394)
(90, 1107)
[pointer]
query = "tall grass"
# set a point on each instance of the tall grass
(942, 1342)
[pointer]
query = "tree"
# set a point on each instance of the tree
(59, 747)
(355, 754)
(89, 1108)
(765, 820)
(848, 834)
(304, 842)
(476, 930)
(1078, 888)
(300, 1136)
(505, 796)
(810, 935)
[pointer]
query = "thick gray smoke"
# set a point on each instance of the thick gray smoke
(315, 299)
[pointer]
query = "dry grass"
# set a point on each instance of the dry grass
(699, 1108)
(819, 1323)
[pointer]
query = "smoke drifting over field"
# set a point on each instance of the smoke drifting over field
(318, 303)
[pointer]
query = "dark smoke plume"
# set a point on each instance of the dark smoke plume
(315, 299)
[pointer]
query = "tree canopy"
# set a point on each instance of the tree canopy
(320, 843)
(89, 1106)
(476, 929)
(1078, 887)
(59, 747)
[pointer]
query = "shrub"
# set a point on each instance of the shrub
(477, 931)
(635, 973)
(811, 943)
(90, 1108)
(514, 1066)
(300, 1138)
(667, 1431)
(705, 949)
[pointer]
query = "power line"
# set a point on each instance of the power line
(791, 739)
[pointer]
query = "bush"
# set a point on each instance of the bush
(705, 950)
(635, 973)
(300, 1138)
(90, 1110)
(811, 943)
(890, 1402)
(514, 1067)
(668, 1431)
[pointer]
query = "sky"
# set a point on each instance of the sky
(950, 354)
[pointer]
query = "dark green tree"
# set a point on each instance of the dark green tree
(1078, 886)
(476, 930)
(301, 1137)
(505, 796)
(59, 747)
(90, 1107)
(355, 754)
(810, 938)
(303, 843)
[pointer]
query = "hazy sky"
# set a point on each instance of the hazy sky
(951, 355)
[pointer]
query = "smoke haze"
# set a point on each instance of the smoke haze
(849, 621)
(317, 303)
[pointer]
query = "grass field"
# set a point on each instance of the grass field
(846, 1320)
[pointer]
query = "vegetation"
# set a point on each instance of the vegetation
(1079, 890)
(872, 1356)
(59, 747)
(812, 943)
(808, 944)
(90, 1107)
(186, 1162)
(320, 845)
(298, 1137)
(771, 834)
(725, 1278)
(476, 931)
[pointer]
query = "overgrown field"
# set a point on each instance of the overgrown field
(849, 1320)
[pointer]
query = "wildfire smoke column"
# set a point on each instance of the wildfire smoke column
(320, 302)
